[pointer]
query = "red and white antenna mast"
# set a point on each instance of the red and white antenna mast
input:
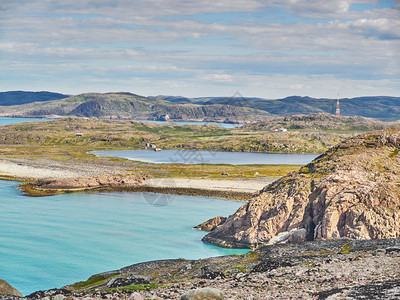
(337, 106)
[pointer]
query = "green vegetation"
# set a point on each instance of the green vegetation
(72, 139)
(94, 134)
(346, 248)
(91, 282)
(135, 287)
(394, 153)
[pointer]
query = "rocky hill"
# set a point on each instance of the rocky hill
(351, 191)
(320, 122)
(377, 107)
(21, 97)
(131, 106)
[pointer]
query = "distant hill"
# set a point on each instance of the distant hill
(378, 107)
(228, 109)
(21, 97)
(319, 122)
(131, 106)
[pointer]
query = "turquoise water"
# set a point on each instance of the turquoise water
(223, 125)
(6, 121)
(48, 242)
(210, 157)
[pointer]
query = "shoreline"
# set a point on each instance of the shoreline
(238, 189)
(325, 269)
(30, 172)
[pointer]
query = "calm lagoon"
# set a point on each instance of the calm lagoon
(48, 242)
(210, 157)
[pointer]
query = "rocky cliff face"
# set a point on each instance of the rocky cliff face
(352, 191)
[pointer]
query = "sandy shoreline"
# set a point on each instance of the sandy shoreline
(31, 170)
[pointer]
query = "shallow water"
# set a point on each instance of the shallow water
(6, 121)
(210, 157)
(48, 242)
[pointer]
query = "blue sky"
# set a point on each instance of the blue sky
(261, 48)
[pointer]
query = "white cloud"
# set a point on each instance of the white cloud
(381, 28)
(218, 77)
(174, 43)
(321, 9)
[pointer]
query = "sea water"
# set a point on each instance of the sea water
(48, 242)
(6, 121)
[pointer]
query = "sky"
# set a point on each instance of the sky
(197, 48)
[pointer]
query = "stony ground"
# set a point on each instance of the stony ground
(340, 269)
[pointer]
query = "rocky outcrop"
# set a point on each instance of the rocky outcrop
(90, 182)
(211, 224)
(312, 270)
(320, 122)
(351, 191)
(7, 289)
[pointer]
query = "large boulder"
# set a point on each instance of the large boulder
(351, 191)
(7, 289)
(203, 294)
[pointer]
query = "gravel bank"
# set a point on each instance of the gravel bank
(46, 168)
(34, 169)
(240, 189)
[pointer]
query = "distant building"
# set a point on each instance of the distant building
(164, 118)
(151, 146)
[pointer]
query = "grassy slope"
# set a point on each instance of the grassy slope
(57, 140)
(21, 97)
(112, 134)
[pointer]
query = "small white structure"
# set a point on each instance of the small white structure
(78, 134)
